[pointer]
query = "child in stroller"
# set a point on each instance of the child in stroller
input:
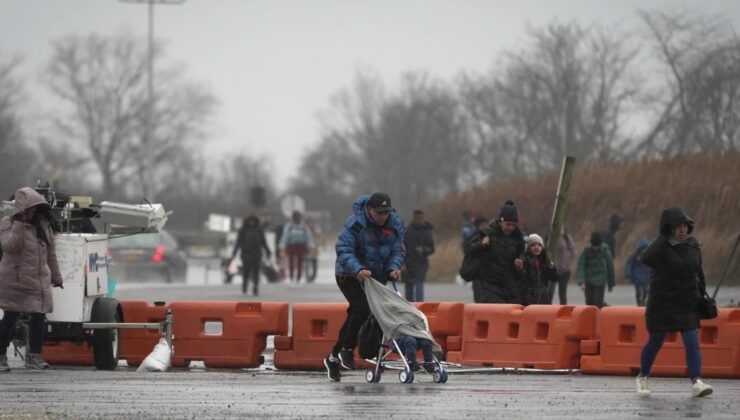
(405, 330)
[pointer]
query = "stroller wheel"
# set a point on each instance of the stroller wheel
(371, 376)
(406, 377)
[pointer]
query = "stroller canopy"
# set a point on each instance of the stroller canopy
(395, 315)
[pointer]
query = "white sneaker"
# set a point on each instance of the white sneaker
(642, 385)
(700, 389)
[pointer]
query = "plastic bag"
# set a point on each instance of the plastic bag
(159, 360)
(233, 268)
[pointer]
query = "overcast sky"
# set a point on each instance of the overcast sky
(275, 63)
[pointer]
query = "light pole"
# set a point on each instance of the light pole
(150, 78)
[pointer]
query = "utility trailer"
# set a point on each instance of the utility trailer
(82, 312)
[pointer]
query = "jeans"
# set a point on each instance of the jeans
(35, 331)
(595, 295)
(691, 346)
(562, 285)
(357, 313)
(296, 253)
(414, 288)
(641, 294)
(409, 345)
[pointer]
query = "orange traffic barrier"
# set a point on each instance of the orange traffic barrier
(67, 353)
(536, 336)
(622, 334)
(136, 344)
(445, 320)
(315, 330)
(225, 334)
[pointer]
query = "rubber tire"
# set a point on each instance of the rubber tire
(370, 376)
(105, 342)
(405, 377)
(443, 377)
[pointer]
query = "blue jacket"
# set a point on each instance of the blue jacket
(634, 268)
(364, 244)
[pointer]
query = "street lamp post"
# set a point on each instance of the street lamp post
(150, 73)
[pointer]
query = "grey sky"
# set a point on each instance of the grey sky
(275, 63)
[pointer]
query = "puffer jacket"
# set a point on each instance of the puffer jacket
(499, 281)
(536, 277)
(595, 267)
(634, 269)
(362, 244)
(29, 267)
(674, 291)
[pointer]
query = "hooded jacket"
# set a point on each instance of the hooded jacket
(634, 269)
(29, 266)
(536, 277)
(595, 266)
(677, 269)
(362, 244)
(251, 241)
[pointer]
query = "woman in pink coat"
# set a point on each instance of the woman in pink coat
(28, 270)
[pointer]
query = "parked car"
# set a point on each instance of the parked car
(147, 256)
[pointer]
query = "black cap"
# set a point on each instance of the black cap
(509, 212)
(380, 202)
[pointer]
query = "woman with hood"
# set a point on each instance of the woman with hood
(251, 241)
(28, 270)
(675, 258)
(637, 272)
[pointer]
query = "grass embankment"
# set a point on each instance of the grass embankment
(706, 187)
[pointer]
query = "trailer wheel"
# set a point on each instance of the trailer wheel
(105, 341)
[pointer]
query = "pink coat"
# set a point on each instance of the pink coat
(29, 267)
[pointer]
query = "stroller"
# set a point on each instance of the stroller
(397, 317)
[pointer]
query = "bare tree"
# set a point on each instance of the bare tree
(17, 160)
(698, 104)
(101, 83)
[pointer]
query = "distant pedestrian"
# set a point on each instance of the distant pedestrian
(296, 241)
(564, 263)
(499, 247)
(369, 245)
(481, 223)
(638, 272)
(28, 271)
(419, 244)
(609, 236)
(537, 274)
(595, 271)
(468, 228)
(251, 241)
(675, 258)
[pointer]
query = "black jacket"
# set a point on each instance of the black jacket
(499, 280)
(251, 241)
(536, 281)
(676, 268)
(418, 234)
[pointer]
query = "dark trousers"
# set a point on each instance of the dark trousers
(410, 345)
(641, 294)
(414, 287)
(296, 254)
(35, 331)
(595, 295)
(691, 348)
(251, 271)
(562, 285)
(357, 313)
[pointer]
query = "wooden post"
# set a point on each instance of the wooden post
(561, 201)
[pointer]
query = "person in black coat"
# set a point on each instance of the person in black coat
(251, 241)
(537, 274)
(499, 246)
(419, 246)
(675, 260)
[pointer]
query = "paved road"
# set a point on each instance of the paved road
(69, 392)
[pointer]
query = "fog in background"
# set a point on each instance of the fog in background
(330, 99)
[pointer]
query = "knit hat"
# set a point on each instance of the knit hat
(534, 238)
(509, 212)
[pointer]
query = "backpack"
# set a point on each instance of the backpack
(369, 338)
(471, 266)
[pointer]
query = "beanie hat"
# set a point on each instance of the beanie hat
(509, 212)
(534, 238)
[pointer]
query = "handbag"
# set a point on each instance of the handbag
(706, 307)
